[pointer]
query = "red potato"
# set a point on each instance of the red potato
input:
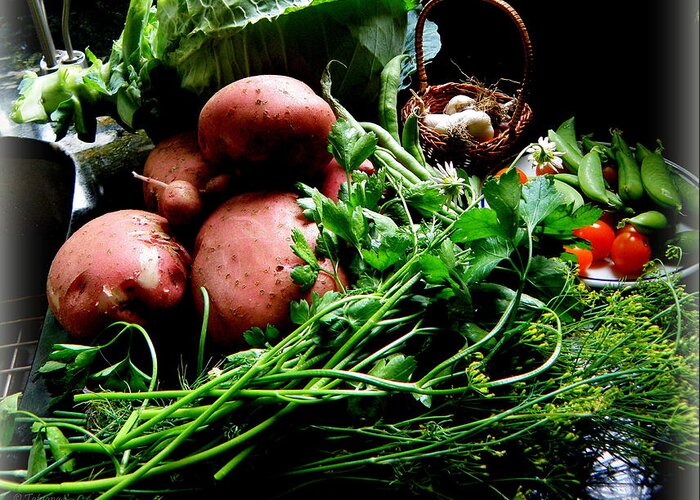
(179, 159)
(243, 259)
(121, 266)
(180, 203)
(273, 120)
(334, 176)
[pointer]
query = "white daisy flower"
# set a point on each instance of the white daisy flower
(545, 153)
(449, 181)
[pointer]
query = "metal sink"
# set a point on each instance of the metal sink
(40, 190)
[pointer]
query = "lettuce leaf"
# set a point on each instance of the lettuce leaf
(174, 54)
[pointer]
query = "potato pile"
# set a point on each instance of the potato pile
(230, 183)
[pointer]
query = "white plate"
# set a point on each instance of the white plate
(600, 274)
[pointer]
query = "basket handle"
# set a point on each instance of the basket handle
(524, 37)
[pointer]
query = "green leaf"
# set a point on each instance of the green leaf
(37, 456)
(386, 243)
(431, 46)
(213, 43)
(304, 276)
(547, 277)
(57, 442)
(474, 333)
(390, 251)
(365, 191)
(397, 367)
(434, 269)
(485, 255)
(425, 197)
(476, 224)
(300, 311)
(539, 199)
(346, 222)
(503, 195)
(302, 249)
(561, 221)
(259, 338)
(62, 352)
(8, 408)
(85, 358)
(349, 145)
(51, 366)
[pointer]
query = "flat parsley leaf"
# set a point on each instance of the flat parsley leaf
(476, 224)
(503, 196)
(539, 199)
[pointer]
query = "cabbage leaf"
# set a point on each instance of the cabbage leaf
(174, 54)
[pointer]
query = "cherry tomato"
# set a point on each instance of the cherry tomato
(583, 256)
(629, 228)
(610, 175)
(547, 168)
(521, 174)
(630, 251)
(600, 235)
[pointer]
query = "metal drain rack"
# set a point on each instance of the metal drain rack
(21, 320)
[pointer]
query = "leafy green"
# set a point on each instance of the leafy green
(462, 346)
(172, 55)
(8, 407)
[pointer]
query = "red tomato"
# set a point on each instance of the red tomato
(546, 168)
(629, 228)
(600, 235)
(610, 175)
(584, 257)
(521, 174)
(630, 251)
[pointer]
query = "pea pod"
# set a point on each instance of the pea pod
(646, 222)
(629, 177)
(659, 184)
(641, 152)
(410, 138)
(688, 241)
(570, 194)
(572, 156)
(570, 179)
(590, 177)
(605, 150)
(567, 131)
(390, 79)
(689, 195)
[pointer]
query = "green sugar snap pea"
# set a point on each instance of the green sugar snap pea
(572, 155)
(689, 195)
(567, 131)
(641, 152)
(590, 177)
(688, 241)
(647, 222)
(629, 180)
(570, 179)
(570, 194)
(605, 151)
(658, 182)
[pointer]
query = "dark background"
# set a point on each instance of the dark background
(630, 64)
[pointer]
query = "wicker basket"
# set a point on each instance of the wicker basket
(477, 157)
